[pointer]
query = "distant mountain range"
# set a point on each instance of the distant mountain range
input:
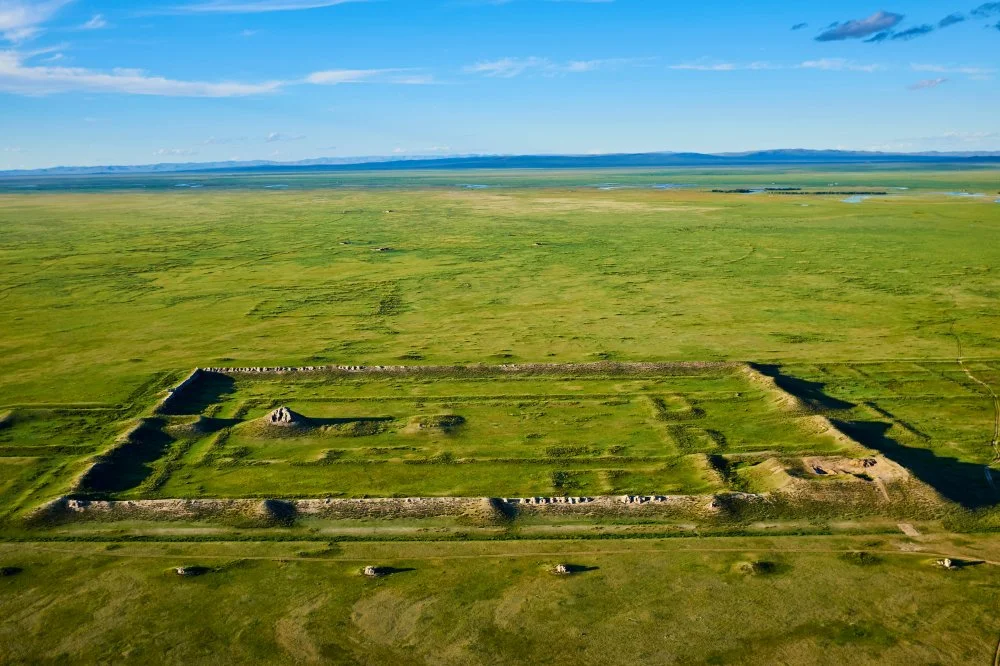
(663, 159)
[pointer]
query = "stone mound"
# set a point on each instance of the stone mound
(190, 571)
(758, 568)
(490, 511)
(277, 512)
(284, 417)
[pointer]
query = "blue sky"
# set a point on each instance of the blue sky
(114, 82)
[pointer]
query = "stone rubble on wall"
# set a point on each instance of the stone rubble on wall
(505, 368)
(383, 505)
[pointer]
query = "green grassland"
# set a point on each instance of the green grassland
(879, 318)
(491, 436)
(100, 291)
(811, 600)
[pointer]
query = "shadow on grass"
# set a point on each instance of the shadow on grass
(381, 572)
(206, 390)
(579, 568)
(961, 482)
(809, 392)
(347, 420)
(131, 463)
(209, 425)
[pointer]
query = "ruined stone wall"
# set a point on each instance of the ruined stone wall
(602, 367)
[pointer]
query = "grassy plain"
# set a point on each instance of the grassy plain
(653, 601)
(102, 290)
(113, 289)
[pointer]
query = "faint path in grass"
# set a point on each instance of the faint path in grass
(291, 633)
(995, 442)
(737, 260)
(927, 554)
(742, 258)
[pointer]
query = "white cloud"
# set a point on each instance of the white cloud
(256, 6)
(974, 72)
(12, 149)
(18, 77)
(22, 19)
(826, 64)
(838, 65)
(175, 152)
(215, 141)
(508, 68)
(95, 23)
(248, 33)
(278, 136)
(333, 77)
(724, 66)
(928, 83)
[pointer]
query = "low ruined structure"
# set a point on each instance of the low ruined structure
(283, 416)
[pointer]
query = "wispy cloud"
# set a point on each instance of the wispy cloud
(254, 6)
(914, 32)
(19, 77)
(951, 19)
(928, 83)
(507, 68)
(724, 66)
(333, 77)
(175, 152)
(959, 69)
(987, 10)
(274, 137)
(217, 141)
(839, 65)
(18, 74)
(799, 26)
(23, 19)
(826, 64)
(879, 37)
(95, 23)
(857, 28)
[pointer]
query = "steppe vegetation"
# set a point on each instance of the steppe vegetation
(819, 389)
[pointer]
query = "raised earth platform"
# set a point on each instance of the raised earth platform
(695, 441)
